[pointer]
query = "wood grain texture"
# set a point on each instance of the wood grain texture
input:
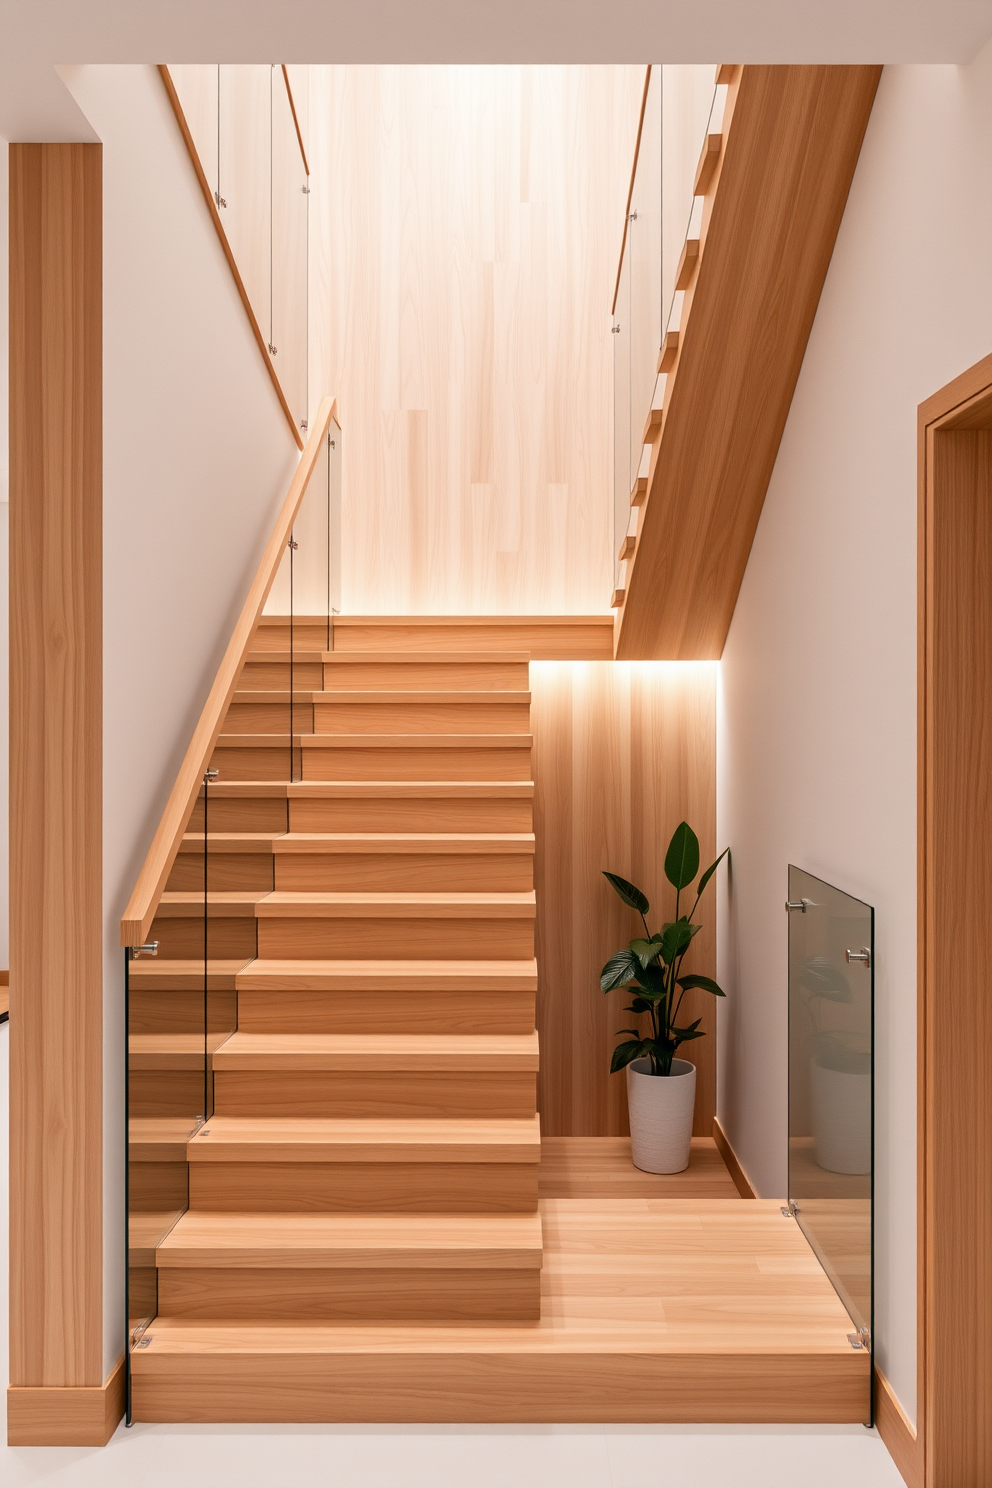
(897, 1432)
(161, 855)
(732, 1320)
(82, 1416)
(474, 371)
(208, 196)
(955, 1033)
(792, 136)
(56, 772)
(601, 1168)
(553, 637)
(740, 1179)
(622, 754)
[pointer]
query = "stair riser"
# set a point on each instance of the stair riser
(247, 814)
(413, 1012)
(229, 937)
(412, 815)
(263, 676)
(373, 1093)
(225, 870)
(410, 676)
(308, 635)
(166, 1093)
(157, 1186)
(256, 764)
(414, 872)
(163, 1011)
(420, 718)
(407, 1295)
(363, 1188)
(269, 718)
(323, 762)
(373, 937)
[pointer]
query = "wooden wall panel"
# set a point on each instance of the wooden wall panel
(56, 766)
(622, 753)
(465, 225)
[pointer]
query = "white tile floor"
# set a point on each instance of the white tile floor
(436, 1457)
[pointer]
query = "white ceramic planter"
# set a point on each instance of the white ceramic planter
(841, 1112)
(661, 1108)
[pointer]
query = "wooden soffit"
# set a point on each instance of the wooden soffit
(791, 140)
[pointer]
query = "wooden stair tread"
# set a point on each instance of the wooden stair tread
(320, 790)
(406, 741)
(184, 974)
(171, 1051)
(304, 904)
(202, 1238)
(436, 1052)
(230, 842)
(413, 695)
(382, 975)
(299, 657)
(221, 903)
(425, 658)
(412, 1139)
(159, 1138)
(404, 842)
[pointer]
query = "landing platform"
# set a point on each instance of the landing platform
(655, 1308)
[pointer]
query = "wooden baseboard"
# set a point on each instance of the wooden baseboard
(897, 1432)
(741, 1181)
(39, 1416)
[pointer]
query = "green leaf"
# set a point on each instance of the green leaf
(646, 951)
(710, 872)
(629, 893)
(682, 857)
(639, 1005)
(676, 938)
(823, 979)
(620, 969)
(625, 1054)
(705, 983)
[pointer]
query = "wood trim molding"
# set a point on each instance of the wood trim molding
(543, 637)
(897, 1432)
(791, 140)
(150, 882)
(208, 197)
(56, 765)
(954, 1035)
(296, 118)
(741, 1181)
(630, 188)
(88, 1417)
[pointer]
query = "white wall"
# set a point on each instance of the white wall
(817, 714)
(197, 459)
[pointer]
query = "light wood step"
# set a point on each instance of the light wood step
(310, 633)
(368, 805)
(440, 925)
(427, 670)
(412, 712)
(372, 1165)
(332, 996)
(267, 670)
(178, 923)
(166, 996)
(374, 757)
(351, 1267)
(266, 711)
(435, 861)
(235, 860)
(389, 1075)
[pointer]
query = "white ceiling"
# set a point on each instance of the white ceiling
(36, 34)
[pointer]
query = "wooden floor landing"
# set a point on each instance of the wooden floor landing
(655, 1307)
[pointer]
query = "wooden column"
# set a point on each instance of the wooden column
(57, 1393)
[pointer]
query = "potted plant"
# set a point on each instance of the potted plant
(840, 1075)
(661, 1090)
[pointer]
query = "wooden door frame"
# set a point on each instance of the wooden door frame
(938, 1454)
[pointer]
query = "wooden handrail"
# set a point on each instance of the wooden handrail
(151, 880)
(630, 188)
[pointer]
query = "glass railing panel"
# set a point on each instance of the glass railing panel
(245, 178)
(644, 227)
(831, 1084)
(290, 198)
(691, 108)
(197, 87)
(622, 473)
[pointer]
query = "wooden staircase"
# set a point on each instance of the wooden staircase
(372, 1152)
